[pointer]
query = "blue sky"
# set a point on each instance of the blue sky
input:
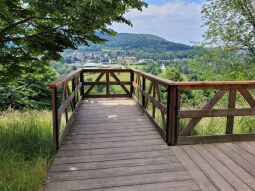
(174, 20)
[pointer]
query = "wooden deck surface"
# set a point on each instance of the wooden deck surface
(221, 166)
(113, 147)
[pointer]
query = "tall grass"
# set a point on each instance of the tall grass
(26, 149)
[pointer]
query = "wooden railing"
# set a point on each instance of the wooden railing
(149, 88)
(67, 94)
(107, 78)
(159, 99)
(221, 88)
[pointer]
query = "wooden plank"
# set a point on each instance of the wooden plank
(106, 96)
(113, 157)
(122, 144)
(105, 83)
(248, 146)
(236, 148)
(208, 170)
(239, 159)
(216, 113)
(109, 135)
(226, 173)
(111, 139)
(111, 120)
(107, 131)
(118, 181)
(112, 164)
(111, 151)
(99, 70)
(104, 126)
(185, 185)
(232, 165)
(231, 105)
(116, 115)
(202, 180)
(187, 140)
(248, 97)
(210, 86)
(115, 172)
(113, 126)
(187, 130)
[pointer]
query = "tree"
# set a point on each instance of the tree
(32, 32)
(28, 91)
(231, 23)
(221, 64)
(172, 73)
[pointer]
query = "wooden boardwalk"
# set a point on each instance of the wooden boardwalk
(112, 146)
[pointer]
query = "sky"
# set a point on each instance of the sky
(175, 20)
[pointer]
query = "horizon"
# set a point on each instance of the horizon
(176, 21)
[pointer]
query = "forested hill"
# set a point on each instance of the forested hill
(146, 42)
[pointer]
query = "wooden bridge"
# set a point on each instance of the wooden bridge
(118, 139)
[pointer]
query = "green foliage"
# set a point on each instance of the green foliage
(221, 64)
(26, 149)
(29, 90)
(230, 23)
(152, 68)
(34, 32)
(173, 74)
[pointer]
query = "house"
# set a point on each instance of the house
(162, 67)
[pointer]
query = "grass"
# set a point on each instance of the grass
(26, 149)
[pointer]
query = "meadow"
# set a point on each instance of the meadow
(26, 149)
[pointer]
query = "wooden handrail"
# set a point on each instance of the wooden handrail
(203, 85)
(159, 80)
(168, 105)
(65, 78)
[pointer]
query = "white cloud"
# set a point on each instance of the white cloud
(176, 21)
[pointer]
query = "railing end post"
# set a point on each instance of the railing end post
(172, 111)
(55, 118)
(82, 83)
(131, 83)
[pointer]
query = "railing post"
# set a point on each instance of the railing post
(73, 89)
(82, 85)
(131, 83)
(55, 118)
(107, 83)
(143, 88)
(172, 120)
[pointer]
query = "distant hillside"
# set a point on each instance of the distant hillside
(146, 42)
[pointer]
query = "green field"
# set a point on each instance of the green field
(26, 149)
